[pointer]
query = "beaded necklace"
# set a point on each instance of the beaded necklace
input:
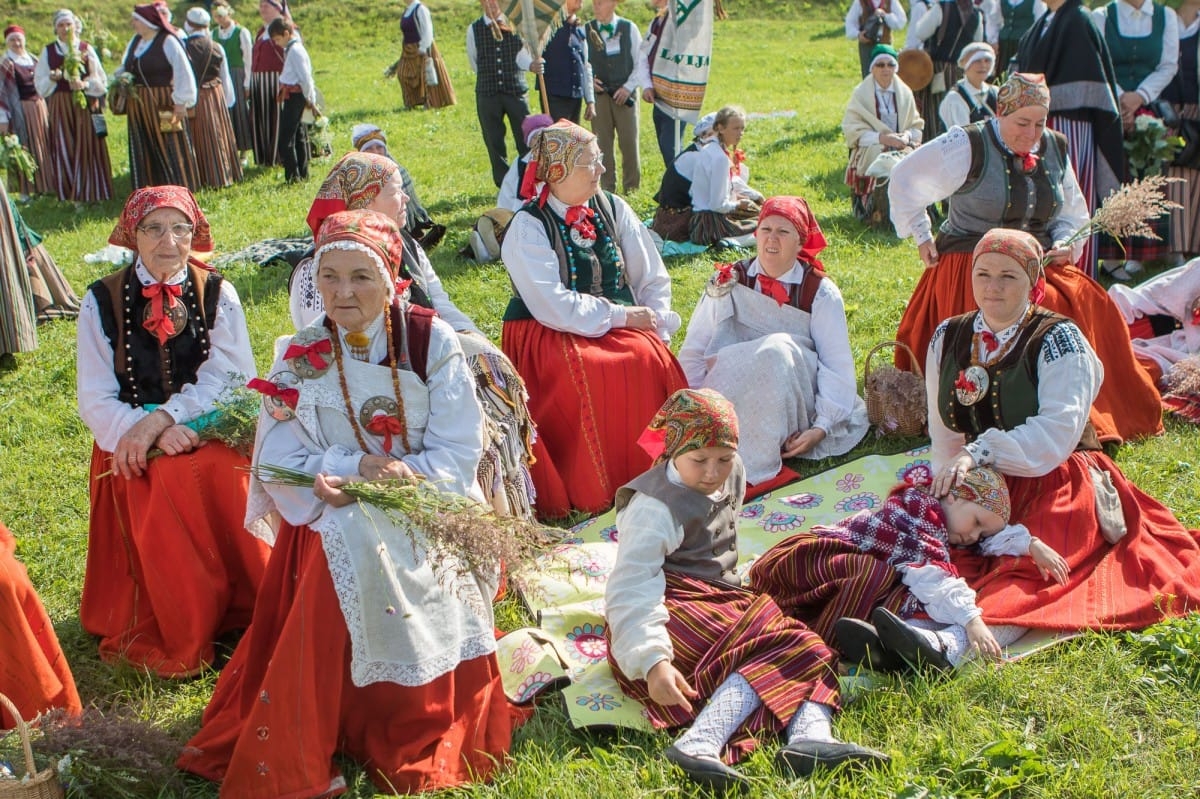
(355, 422)
(604, 248)
(972, 383)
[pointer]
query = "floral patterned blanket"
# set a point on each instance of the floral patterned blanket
(564, 590)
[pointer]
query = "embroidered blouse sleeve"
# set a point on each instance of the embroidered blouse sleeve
(96, 383)
(1072, 215)
(507, 198)
(1168, 62)
(231, 96)
(635, 36)
(947, 598)
(634, 607)
(645, 270)
(896, 19)
(837, 379)
(472, 56)
(41, 74)
(454, 437)
(534, 270)
(247, 56)
(641, 69)
(229, 354)
(929, 174)
(852, 29)
(289, 445)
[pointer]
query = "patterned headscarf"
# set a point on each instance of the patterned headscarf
(364, 133)
(1020, 247)
(796, 211)
(143, 201)
(690, 419)
(369, 232)
(353, 183)
(552, 155)
(985, 487)
(1021, 90)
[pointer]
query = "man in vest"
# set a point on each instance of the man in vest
(871, 22)
(945, 27)
(499, 60)
(568, 73)
(612, 51)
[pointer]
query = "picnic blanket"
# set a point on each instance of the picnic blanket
(564, 589)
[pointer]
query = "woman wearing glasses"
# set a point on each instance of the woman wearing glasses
(170, 567)
(587, 326)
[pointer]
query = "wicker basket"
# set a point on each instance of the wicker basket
(39, 785)
(884, 409)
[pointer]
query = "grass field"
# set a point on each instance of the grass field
(1102, 716)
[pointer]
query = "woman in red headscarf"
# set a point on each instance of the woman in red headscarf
(160, 133)
(364, 642)
(170, 567)
(33, 672)
(795, 389)
(23, 112)
(588, 326)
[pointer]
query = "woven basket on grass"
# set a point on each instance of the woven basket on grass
(891, 395)
(38, 785)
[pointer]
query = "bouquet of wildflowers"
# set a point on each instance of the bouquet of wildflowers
(1150, 145)
(14, 157)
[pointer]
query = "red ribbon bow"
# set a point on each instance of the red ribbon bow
(990, 342)
(1028, 161)
(289, 396)
(964, 383)
(312, 351)
(402, 286)
(579, 217)
(775, 289)
(724, 273)
(736, 159)
(1196, 314)
(382, 424)
(160, 322)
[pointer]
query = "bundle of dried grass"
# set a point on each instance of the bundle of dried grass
(895, 399)
(1128, 211)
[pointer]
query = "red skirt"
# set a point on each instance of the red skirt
(1153, 572)
(591, 398)
(170, 567)
(33, 670)
(1128, 405)
(819, 579)
(285, 703)
(717, 631)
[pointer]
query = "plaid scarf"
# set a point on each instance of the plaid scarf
(909, 530)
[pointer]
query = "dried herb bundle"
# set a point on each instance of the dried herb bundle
(1128, 211)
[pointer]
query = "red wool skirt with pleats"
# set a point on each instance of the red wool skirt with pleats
(1128, 406)
(33, 670)
(170, 566)
(717, 631)
(285, 703)
(591, 398)
(1151, 573)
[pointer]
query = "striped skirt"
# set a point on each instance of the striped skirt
(1185, 222)
(411, 75)
(78, 157)
(37, 142)
(212, 133)
(1081, 147)
(157, 158)
(264, 117)
(709, 227)
(18, 330)
(442, 95)
(818, 579)
(239, 112)
(717, 631)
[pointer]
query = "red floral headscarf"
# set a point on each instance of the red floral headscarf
(143, 201)
(796, 211)
(352, 184)
(986, 488)
(1021, 90)
(553, 151)
(1020, 247)
(690, 419)
(369, 232)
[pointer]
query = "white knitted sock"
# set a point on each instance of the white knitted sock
(730, 705)
(812, 722)
(1007, 634)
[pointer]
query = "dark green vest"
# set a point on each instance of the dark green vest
(1134, 59)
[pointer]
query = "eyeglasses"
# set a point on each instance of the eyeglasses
(179, 231)
(598, 163)
(887, 64)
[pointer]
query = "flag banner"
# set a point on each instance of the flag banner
(682, 60)
(534, 20)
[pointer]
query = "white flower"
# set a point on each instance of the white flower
(64, 765)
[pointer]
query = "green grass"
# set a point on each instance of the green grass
(1091, 718)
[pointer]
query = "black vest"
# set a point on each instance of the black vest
(960, 18)
(565, 55)
(147, 372)
(152, 68)
(612, 71)
(206, 57)
(496, 62)
(978, 112)
(675, 191)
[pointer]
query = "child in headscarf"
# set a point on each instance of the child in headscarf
(687, 640)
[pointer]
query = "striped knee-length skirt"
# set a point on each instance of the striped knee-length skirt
(264, 117)
(78, 157)
(1185, 221)
(158, 157)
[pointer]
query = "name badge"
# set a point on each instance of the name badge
(612, 46)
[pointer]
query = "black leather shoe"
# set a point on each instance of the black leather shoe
(804, 757)
(907, 642)
(707, 771)
(859, 644)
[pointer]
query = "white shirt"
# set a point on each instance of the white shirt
(183, 80)
(895, 19)
(837, 379)
(949, 600)
(641, 66)
(926, 25)
(634, 597)
(94, 85)
(954, 110)
(936, 170)
(712, 185)
(635, 36)
(510, 187)
(1137, 23)
(297, 70)
(524, 59)
(1068, 383)
(534, 270)
(98, 388)
(424, 25)
(247, 42)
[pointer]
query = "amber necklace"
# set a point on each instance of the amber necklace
(400, 425)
